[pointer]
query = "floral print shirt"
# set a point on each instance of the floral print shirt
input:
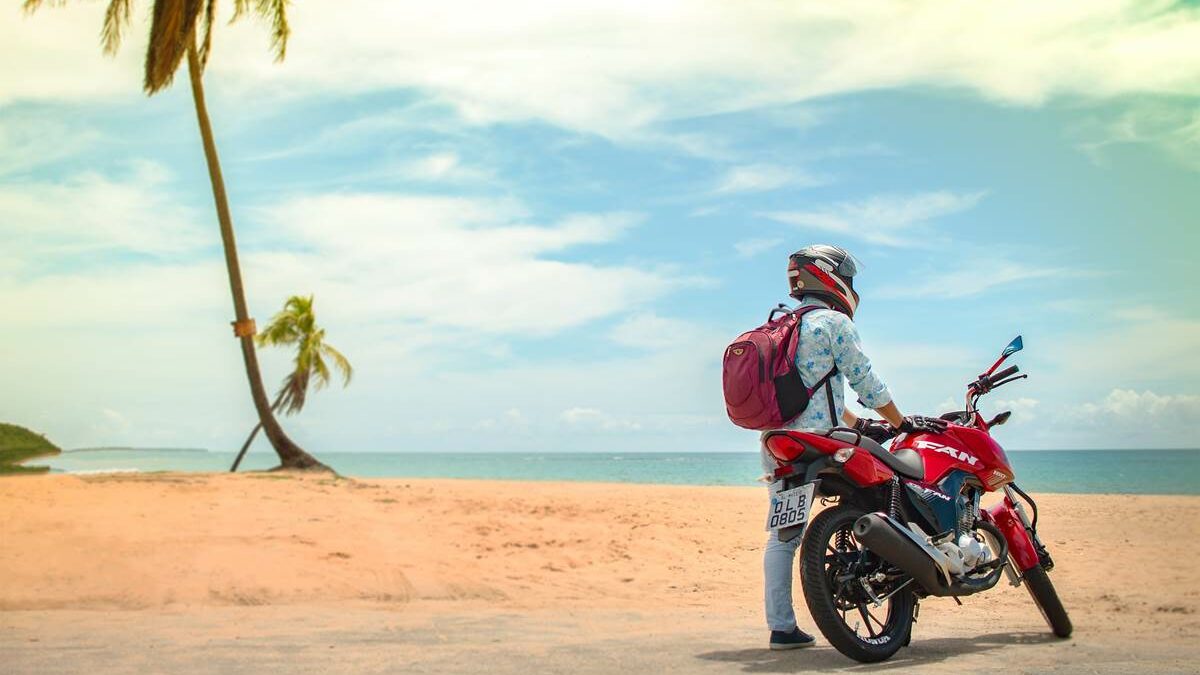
(829, 338)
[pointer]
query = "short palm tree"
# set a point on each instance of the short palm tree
(181, 28)
(296, 326)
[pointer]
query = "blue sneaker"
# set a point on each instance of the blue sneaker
(795, 639)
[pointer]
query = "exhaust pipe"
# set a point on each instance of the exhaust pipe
(919, 559)
(904, 549)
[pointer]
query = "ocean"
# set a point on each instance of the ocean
(1163, 472)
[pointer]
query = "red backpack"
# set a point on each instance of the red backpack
(763, 388)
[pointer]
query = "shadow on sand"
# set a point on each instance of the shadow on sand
(826, 658)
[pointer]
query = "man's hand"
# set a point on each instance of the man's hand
(876, 430)
(916, 424)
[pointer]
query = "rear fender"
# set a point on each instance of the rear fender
(1020, 544)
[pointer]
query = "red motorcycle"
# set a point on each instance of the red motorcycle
(906, 524)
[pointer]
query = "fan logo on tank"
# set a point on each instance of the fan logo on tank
(927, 493)
(946, 450)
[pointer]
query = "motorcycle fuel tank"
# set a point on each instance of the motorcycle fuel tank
(962, 448)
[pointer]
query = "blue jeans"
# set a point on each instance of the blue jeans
(779, 559)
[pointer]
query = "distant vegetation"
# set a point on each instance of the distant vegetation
(18, 444)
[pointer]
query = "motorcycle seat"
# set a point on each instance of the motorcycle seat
(906, 462)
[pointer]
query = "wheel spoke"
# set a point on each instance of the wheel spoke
(849, 566)
(862, 609)
(882, 626)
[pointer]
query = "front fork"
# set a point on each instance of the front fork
(1024, 546)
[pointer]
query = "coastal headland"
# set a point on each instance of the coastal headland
(276, 571)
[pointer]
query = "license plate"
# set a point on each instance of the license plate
(790, 507)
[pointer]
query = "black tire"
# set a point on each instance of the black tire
(816, 562)
(1046, 598)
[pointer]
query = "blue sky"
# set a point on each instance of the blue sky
(536, 227)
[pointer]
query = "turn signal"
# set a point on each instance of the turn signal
(843, 455)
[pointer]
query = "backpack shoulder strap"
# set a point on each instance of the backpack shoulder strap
(825, 381)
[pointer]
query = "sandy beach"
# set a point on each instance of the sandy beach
(261, 572)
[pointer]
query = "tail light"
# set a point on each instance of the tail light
(784, 448)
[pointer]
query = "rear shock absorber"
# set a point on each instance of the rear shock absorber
(894, 501)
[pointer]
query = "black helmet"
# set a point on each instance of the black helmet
(825, 272)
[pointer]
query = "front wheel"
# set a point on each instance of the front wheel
(840, 577)
(1046, 598)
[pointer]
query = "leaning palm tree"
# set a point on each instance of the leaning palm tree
(296, 326)
(184, 27)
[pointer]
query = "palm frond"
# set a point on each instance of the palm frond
(116, 17)
(171, 28)
(118, 14)
(340, 362)
(33, 5)
(273, 10)
(319, 369)
(286, 326)
(293, 393)
(206, 28)
(296, 326)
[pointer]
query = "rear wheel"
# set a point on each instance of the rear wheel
(1046, 598)
(840, 577)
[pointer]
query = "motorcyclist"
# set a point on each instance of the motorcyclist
(823, 275)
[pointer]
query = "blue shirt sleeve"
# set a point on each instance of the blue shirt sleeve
(854, 365)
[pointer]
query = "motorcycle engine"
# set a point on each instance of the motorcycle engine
(965, 554)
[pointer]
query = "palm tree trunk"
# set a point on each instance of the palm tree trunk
(291, 456)
(253, 432)
(245, 446)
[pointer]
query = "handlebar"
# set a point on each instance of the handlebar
(987, 382)
(1011, 370)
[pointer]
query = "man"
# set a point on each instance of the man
(823, 275)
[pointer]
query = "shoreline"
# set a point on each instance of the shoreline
(282, 474)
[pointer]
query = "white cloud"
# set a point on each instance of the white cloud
(90, 214)
(1141, 419)
(1130, 405)
(597, 420)
(1147, 346)
(511, 421)
(28, 141)
(973, 277)
(1175, 129)
(748, 248)
(616, 68)
(104, 296)
(882, 219)
(1024, 409)
(453, 262)
(762, 178)
(649, 331)
(442, 167)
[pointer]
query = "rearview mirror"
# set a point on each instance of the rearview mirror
(1000, 419)
(1013, 347)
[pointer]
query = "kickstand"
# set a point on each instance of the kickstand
(957, 600)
